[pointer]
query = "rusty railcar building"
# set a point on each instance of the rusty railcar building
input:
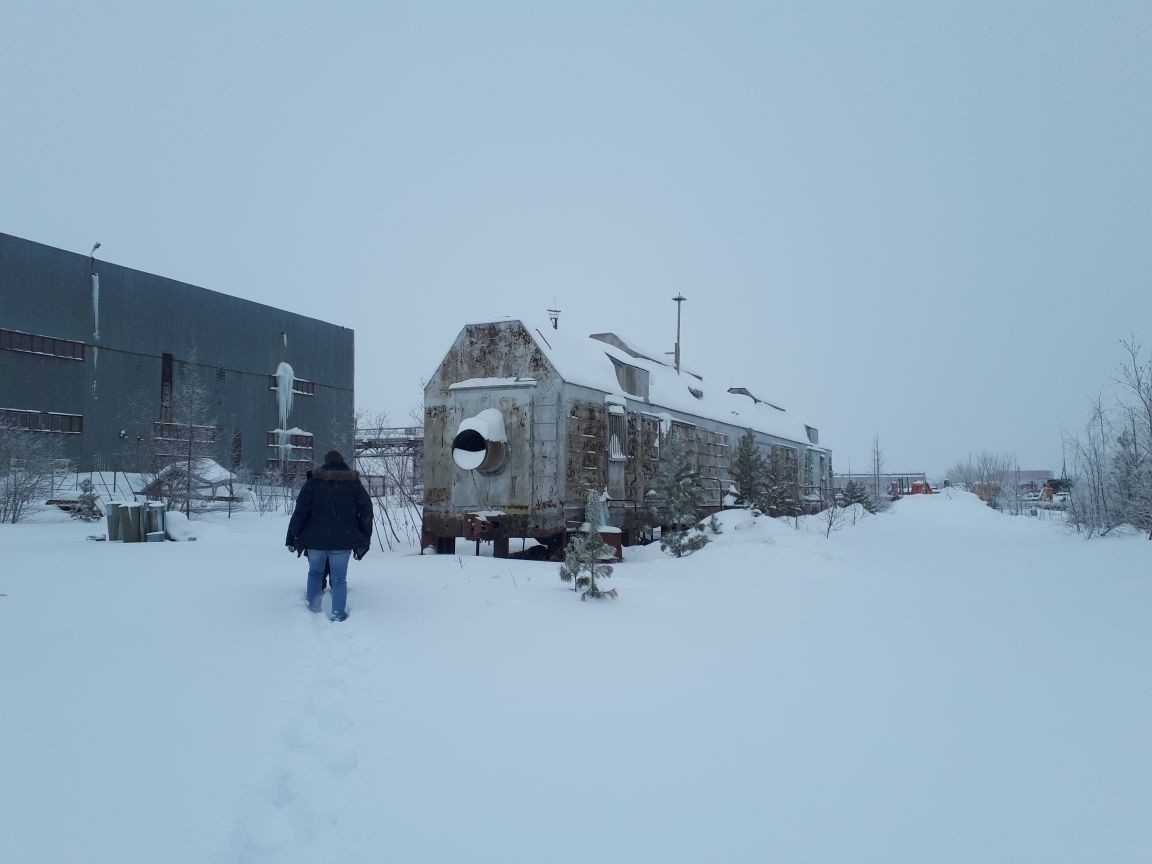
(522, 419)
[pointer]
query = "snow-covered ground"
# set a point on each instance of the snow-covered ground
(939, 684)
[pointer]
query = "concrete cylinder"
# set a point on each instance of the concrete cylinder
(112, 514)
(156, 516)
(126, 535)
(130, 527)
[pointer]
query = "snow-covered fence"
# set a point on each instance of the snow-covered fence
(274, 492)
(113, 484)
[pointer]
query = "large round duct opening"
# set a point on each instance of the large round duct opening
(473, 452)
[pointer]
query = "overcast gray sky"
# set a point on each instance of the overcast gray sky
(926, 220)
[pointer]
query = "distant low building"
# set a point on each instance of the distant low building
(887, 483)
(1030, 481)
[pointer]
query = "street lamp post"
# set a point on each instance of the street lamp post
(679, 299)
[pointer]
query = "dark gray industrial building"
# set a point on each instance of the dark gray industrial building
(96, 354)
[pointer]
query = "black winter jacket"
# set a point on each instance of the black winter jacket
(333, 511)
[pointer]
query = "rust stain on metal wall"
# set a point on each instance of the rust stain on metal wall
(587, 448)
(502, 350)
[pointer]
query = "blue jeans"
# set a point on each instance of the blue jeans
(338, 559)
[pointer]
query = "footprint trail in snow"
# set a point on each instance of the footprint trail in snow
(289, 813)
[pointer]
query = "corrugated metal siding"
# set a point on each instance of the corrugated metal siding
(48, 291)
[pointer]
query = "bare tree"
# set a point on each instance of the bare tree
(879, 496)
(834, 517)
(229, 449)
(28, 458)
(1136, 380)
(137, 417)
(193, 433)
(389, 468)
(268, 492)
(1130, 474)
(989, 475)
(1112, 456)
(962, 474)
(342, 434)
(993, 476)
(1092, 508)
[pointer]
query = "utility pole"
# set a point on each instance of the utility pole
(679, 299)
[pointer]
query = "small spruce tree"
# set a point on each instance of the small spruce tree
(750, 473)
(584, 553)
(681, 497)
(855, 493)
(87, 505)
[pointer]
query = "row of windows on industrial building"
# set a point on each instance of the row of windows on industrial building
(299, 448)
(42, 421)
(32, 343)
(293, 454)
(289, 454)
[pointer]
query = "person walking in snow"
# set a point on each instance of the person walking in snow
(331, 523)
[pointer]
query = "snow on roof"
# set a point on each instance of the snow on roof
(584, 360)
(480, 383)
(632, 349)
(204, 470)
